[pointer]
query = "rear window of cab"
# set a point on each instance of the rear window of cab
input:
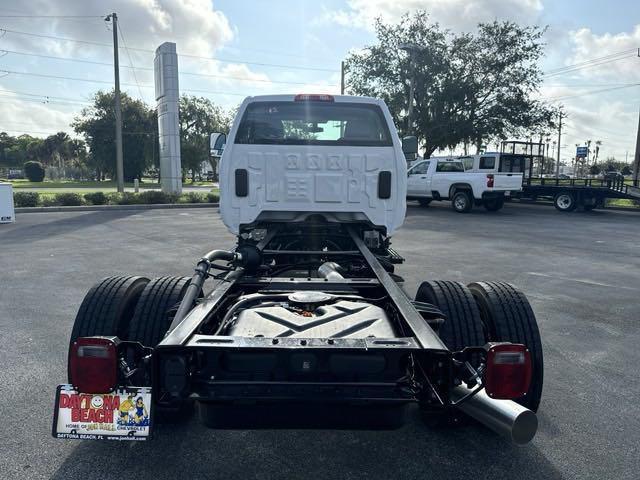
(313, 123)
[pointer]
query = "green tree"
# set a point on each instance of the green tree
(139, 137)
(34, 171)
(7, 142)
(469, 88)
(594, 169)
(56, 149)
(199, 117)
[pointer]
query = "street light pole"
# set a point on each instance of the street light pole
(559, 143)
(412, 91)
(411, 50)
(636, 157)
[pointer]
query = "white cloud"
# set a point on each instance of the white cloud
(588, 45)
(454, 14)
(598, 109)
(196, 26)
(36, 119)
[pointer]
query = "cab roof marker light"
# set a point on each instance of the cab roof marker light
(313, 97)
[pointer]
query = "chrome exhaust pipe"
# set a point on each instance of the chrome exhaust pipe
(504, 417)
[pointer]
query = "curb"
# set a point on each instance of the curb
(97, 208)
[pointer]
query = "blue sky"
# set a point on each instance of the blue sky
(247, 37)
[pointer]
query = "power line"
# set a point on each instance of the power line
(135, 77)
(44, 102)
(217, 59)
(43, 96)
(135, 67)
(28, 131)
(581, 85)
(142, 85)
(52, 16)
(586, 62)
(565, 97)
(595, 63)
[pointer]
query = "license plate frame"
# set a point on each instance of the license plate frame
(125, 414)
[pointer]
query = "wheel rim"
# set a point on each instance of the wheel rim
(460, 202)
(564, 201)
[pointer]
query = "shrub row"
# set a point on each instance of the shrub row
(149, 197)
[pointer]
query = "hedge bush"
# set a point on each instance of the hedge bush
(126, 198)
(33, 199)
(69, 199)
(26, 199)
(50, 201)
(192, 197)
(34, 171)
(154, 197)
(96, 198)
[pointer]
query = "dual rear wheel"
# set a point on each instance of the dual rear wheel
(131, 308)
(488, 312)
(135, 309)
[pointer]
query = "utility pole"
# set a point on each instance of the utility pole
(636, 158)
(342, 78)
(559, 143)
(118, 110)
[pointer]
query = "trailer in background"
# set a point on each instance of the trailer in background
(566, 193)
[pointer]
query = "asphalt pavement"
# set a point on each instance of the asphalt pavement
(581, 272)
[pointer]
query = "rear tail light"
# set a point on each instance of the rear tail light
(508, 374)
(93, 364)
(490, 181)
(313, 97)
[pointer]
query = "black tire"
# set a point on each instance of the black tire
(152, 316)
(424, 202)
(108, 307)
(462, 328)
(493, 204)
(462, 201)
(507, 317)
(463, 325)
(565, 202)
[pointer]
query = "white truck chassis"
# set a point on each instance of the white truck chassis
(306, 326)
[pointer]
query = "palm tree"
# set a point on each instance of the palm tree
(598, 143)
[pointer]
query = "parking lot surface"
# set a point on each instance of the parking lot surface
(581, 272)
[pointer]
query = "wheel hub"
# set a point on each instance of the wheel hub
(564, 201)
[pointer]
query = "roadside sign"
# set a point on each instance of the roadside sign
(582, 152)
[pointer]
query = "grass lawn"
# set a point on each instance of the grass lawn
(622, 202)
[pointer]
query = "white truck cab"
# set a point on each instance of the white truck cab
(291, 156)
(446, 179)
(496, 162)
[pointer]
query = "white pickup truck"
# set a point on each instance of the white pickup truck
(446, 179)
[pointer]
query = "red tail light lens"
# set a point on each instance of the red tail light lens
(490, 181)
(93, 364)
(508, 374)
(313, 97)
